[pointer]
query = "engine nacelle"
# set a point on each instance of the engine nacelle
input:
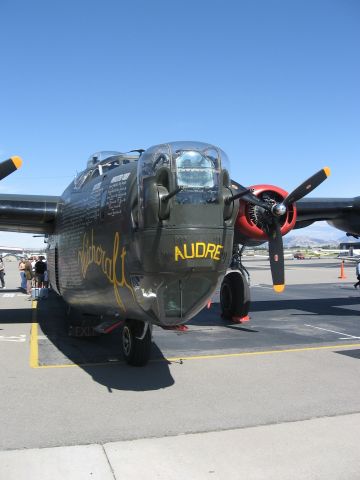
(251, 219)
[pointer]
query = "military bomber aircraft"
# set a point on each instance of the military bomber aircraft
(146, 237)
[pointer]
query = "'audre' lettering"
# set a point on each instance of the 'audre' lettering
(198, 250)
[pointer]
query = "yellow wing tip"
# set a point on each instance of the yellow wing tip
(279, 288)
(327, 171)
(17, 161)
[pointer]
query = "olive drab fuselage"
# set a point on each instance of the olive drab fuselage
(125, 245)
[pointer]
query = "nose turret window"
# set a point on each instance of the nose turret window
(194, 170)
(188, 171)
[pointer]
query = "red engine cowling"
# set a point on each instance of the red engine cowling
(251, 218)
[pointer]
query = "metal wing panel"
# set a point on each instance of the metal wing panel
(28, 213)
(342, 213)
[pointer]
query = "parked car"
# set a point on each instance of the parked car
(299, 256)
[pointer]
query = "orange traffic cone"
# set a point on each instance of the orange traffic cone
(342, 271)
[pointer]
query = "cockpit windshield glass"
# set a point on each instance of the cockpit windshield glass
(98, 157)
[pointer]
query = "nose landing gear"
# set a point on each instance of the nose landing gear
(136, 342)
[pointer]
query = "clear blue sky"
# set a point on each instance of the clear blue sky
(275, 83)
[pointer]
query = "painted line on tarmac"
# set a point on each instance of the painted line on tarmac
(266, 352)
(348, 337)
(13, 338)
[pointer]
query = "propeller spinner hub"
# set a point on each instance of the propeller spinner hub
(279, 209)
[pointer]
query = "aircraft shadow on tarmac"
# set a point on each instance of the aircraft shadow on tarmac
(12, 290)
(313, 306)
(351, 353)
(154, 376)
(98, 356)
(16, 315)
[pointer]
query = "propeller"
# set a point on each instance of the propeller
(270, 211)
(9, 166)
(308, 186)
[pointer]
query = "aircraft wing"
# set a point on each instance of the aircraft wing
(25, 213)
(28, 213)
(341, 213)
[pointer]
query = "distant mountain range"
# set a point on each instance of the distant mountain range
(305, 241)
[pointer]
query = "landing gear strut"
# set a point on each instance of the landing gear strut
(235, 291)
(136, 342)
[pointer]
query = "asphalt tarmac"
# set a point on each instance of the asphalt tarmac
(295, 361)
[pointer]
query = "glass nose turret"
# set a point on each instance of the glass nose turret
(186, 172)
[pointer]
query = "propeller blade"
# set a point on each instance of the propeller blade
(276, 255)
(253, 199)
(308, 186)
(9, 166)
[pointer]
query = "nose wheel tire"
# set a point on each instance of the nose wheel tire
(136, 346)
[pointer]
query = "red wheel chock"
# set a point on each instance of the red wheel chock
(241, 319)
(178, 328)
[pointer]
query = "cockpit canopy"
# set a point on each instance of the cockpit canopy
(101, 162)
(196, 165)
(97, 157)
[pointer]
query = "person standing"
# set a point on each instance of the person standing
(40, 269)
(2, 273)
(22, 274)
(33, 260)
(28, 276)
(357, 274)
